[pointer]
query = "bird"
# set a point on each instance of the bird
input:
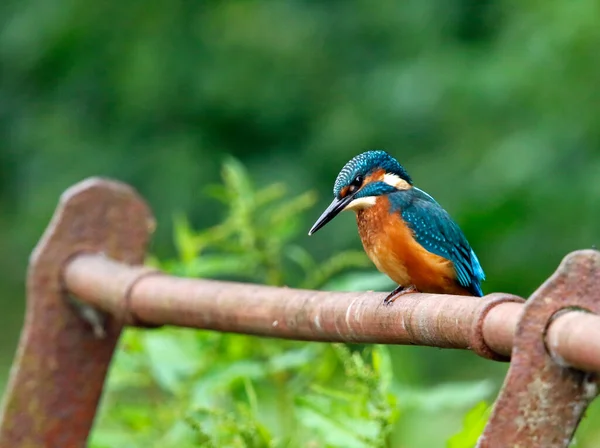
(404, 231)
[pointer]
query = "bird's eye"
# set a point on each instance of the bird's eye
(356, 183)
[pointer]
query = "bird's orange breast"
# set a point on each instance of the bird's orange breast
(391, 245)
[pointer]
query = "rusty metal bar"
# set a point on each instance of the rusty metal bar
(542, 400)
(421, 319)
(94, 247)
(59, 370)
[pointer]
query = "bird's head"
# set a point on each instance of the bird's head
(361, 181)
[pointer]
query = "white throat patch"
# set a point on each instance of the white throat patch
(361, 203)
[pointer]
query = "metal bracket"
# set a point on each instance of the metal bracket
(61, 363)
(542, 401)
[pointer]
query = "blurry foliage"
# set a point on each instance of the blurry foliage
(184, 388)
(473, 425)
(253, 242)
(492, 106)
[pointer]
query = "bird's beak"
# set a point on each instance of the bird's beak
(336, 206)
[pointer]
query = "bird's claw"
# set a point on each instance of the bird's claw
(399, 291)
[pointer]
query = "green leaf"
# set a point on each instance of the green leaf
(184, 238)
(301, 257)
(112, 437)
(289, 209)
(292, 359)
(449, 396)
(218, 192)
(169, 361)
(219, 265)
(269, 194)
(335, 265)
(382, 365)
(221, 377)
(339, 432)
(473, 426)
(360, 281)
(237, 180)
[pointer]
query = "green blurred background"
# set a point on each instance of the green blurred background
(493, 107)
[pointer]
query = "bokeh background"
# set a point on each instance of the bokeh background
(493, 107)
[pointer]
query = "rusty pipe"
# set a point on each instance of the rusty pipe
(485, 325)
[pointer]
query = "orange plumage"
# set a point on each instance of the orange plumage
(405, 232)
(391, 245)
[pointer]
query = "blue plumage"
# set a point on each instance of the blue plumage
(435, 230)
(375, 189)
(367, 182)
(365, 163)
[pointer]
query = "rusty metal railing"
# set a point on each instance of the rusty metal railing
(93, 250)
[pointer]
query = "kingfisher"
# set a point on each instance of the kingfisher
(404, 231)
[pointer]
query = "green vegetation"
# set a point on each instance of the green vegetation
(491, 105)
(179, 388)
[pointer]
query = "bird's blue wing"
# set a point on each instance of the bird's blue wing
(435, 230)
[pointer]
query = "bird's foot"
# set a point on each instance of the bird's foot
(399, 291)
